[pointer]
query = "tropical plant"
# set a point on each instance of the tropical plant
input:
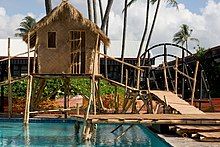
(48, 6)
(26, 24)
(184, 35)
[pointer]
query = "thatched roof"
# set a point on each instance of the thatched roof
(71, 13)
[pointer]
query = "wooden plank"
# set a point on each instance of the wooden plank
(174, 119)
(197, 128)
(209, 136)
(176, 103)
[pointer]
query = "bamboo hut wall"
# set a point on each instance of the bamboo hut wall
(58, 60)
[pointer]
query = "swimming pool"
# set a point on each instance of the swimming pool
(63, 134)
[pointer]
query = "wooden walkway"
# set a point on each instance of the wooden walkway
(175, 102)
(169, 119)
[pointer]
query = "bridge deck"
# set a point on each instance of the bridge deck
(176, 103)
(174, 119)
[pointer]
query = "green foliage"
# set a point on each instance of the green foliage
(78, 86)
(26, 24)
(200, 53)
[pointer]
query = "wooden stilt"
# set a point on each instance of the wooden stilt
(150, 105)
(29, 87)
(28, 98)
(116, 99)
(176, 76)
(9, 82)
(194, 82)
(165, 76)
(77, 108)
(138, 74)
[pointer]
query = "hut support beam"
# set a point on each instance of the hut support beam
(9, 82)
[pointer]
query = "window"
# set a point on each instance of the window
(77, 40)
(51, 40)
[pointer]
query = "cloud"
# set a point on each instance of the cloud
(8, 23)
(205, 25)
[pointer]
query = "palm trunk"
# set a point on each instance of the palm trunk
(94, 11)
(48, 6)
(145, 30)
(101, 10)
(107, 12)
(89, 9)
(105, 21)
(123, 39)
(152, 28)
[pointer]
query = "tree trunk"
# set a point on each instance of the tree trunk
(152, 28)
(145, 30)
(123, 38)
(107, 12)
(105, 22)
(101, 10)
(48, 6)
(94, 11)
(89, 9)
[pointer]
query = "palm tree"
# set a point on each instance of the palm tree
(183, 36)
(48, 6)
(26, 24)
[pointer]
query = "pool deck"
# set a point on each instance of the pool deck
(169, 119)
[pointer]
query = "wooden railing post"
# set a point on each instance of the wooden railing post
(176, 76)
(165, 76)
(194, 82)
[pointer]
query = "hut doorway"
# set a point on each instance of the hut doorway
(77, 40)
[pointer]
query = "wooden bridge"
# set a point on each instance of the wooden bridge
(175, 102)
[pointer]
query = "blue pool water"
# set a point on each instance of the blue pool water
(63, 134)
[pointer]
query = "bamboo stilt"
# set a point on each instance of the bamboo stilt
(28, 99)
(176, 76)
(194, 82)
(9, 82)
(165, 76)
(138, 74)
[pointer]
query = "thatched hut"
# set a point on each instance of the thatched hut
(66, 42)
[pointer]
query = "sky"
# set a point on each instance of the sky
(201, 15)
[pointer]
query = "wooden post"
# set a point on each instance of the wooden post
(116, 99)
(165, 76)
(28, 99)
(126, 90)
(138, 74)
(194, 82)
(77, 108)
(34, 63)
(176, 76)
(9, 82)
(29, 86)
(150, 107)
